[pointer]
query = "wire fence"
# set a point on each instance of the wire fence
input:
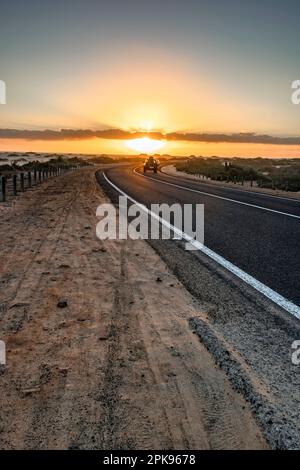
(16, 183)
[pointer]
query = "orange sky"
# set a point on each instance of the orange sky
(96, 146)
(187, 72)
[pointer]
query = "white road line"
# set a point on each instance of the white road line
(247, 278)
(236, 190)
(218, 197)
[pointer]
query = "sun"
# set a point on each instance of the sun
(145, 145)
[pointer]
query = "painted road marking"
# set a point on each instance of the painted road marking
(247, 278)
(218, 197)
(229, 188)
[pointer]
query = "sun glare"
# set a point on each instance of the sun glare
(146, 126)
(145, 145)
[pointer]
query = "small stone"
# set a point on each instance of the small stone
(30, 391)
(62, 303)
(172, 374)
(174, 352)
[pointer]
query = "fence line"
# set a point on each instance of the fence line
(19, 182)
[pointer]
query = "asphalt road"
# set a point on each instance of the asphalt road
(255, 232)
(249, 336)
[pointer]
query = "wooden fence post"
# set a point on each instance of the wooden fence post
(22, 181)
(3, 188)
(15, 184)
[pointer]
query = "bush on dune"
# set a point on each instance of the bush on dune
(281, 174)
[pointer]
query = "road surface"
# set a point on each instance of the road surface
(257, 233)
(250, 336)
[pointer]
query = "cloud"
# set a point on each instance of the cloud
(241, 137)
(119, 134)
(63, 134)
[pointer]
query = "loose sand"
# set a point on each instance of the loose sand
(118, 367)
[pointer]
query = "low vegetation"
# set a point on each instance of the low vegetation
(283, 174)
(19, 165)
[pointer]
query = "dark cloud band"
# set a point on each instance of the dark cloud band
(119, 134)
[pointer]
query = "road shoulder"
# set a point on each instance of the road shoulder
(99, 351)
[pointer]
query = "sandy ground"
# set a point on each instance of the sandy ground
(171, 170)
(118, 367)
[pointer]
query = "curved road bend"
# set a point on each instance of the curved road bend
(257, 233)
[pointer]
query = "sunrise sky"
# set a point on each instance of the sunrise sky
(171, 67)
